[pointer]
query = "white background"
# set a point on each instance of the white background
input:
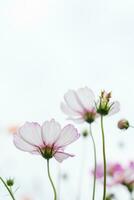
(46, 48)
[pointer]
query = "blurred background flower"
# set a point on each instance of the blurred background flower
(118, 174)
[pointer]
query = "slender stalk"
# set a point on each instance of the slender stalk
(49, 176)
(8, 189)
(104, 159)
(95, 163)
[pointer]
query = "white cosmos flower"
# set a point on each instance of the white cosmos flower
(48, 140)
(79, 105)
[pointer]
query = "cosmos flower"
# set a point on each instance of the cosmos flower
(105, 107)
(48, 140)
(127, 176)
(118, 174)
(79, 105)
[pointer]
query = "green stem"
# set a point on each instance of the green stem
(49, 176)
(95, 163)
(104, 159)
(10, 192)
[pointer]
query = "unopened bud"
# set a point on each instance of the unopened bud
(85, 133)
(110, 197)
(10, 182)
(104, 106)
(123, 124)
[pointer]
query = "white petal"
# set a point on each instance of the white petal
(68, 111)
(86, 97)
(31, 133)
(68, 135)
(50, 131)
(77, 120)
(60, 156)
(115, 108)
(22, 145)
(72, 101)
(36, 152)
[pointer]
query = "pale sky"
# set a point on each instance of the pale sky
(48, 47)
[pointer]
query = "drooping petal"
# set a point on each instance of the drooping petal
(68, 135)
(115, 108)
(50, 131)
(68, 111)
(60, 156)
(86, 97)
(23, 145)
(72, 101)
(31, 133)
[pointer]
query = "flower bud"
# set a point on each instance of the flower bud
(123, 124)
(85, 133)
(110, 197)
(104, 105)
(10, 182)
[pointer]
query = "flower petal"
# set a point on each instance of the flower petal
(68, 135)
(115, 108)
(31, 133)
(36, 152)
(68, 111)
(23, 145)
(50, 131)
(86, 97)
(77, 120)
(72, 101)
(60, 156)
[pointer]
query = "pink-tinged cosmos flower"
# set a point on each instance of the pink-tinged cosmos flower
(48, 140)
(126, 177)
(79, 105)
(112, 169)
(117, 174)
(105, 107)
